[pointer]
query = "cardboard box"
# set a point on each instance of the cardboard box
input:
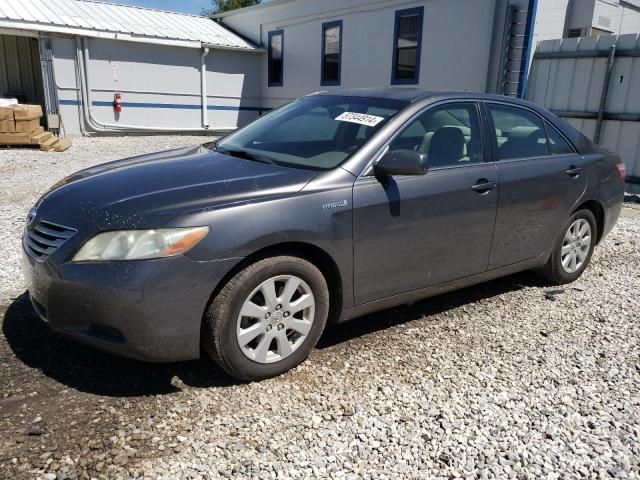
(7, 124)
(27, 112)
(27, 126)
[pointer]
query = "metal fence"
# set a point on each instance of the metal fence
(594, 83)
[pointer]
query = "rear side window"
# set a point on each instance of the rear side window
(519, 133)
(558, 145)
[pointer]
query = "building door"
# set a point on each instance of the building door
(20, 70)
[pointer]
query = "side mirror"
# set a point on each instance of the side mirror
(401, 162)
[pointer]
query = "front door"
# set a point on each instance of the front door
(541, 179)
(411, 232)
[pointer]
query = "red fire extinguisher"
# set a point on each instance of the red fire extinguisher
(117, 102)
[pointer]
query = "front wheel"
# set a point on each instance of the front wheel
(573, 249)
(267, 318)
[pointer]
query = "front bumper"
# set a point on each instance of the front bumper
(150, 310)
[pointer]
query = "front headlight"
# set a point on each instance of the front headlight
(140, 244)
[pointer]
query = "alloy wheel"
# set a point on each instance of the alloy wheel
(275, 319)
(576, 245)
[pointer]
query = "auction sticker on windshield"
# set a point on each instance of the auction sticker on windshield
(360, 118)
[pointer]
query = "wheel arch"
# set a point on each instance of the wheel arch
(310, 252)
(598, 212)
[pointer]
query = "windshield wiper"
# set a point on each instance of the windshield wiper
(240, 153)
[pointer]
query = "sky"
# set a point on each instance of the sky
(185, 6)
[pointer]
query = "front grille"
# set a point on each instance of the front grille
(44, 238)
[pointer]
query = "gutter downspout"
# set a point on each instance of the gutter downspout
(113, 127)
(203, 86)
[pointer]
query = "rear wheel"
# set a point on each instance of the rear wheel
(267, 318)
(573, 249)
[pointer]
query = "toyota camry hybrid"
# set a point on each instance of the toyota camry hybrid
(330, 207)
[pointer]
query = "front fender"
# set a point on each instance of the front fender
(238, 231)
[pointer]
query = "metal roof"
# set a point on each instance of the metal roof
(121, 22)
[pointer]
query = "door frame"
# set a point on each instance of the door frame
(368, 173)
(487, 149)
(493, 139)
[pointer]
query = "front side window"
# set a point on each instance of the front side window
(318, 132)
(331, 53)
(407, 46)
(276, 58)
(450, 135)
(519, 133)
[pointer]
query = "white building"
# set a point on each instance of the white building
(431, 44)
(176, 72)
(557, 19)
(173, 72)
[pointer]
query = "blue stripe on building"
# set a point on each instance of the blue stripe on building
(171, 105)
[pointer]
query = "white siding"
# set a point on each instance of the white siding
(456, 42)
(616, 18)
(160, 85)
(550, 20)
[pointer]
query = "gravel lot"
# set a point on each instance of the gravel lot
(510, 379)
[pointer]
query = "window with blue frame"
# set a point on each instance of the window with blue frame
(407, 46)
(331, 53)
(276, 58)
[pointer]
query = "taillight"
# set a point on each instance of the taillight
(621, 169)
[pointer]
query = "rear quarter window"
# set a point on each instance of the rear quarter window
(558, 145)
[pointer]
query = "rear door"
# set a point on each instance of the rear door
(411, 232)
(542, 177)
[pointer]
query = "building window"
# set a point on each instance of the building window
(407, 45)
(574, 33)
(276, 62)
(331, 52)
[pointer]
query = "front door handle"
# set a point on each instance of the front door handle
(573, 171)
(484, 186)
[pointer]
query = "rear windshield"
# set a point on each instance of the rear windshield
(317, 132)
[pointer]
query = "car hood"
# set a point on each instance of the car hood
(150, 189)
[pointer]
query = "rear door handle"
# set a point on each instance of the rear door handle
(573, 171)
(483, 186)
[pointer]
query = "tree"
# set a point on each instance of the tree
(226, 5)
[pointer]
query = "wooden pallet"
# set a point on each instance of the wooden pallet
(47, 141)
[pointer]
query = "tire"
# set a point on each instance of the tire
(554, 271)
(251, 291)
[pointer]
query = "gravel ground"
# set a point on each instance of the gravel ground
(509, 379)
(25, 174)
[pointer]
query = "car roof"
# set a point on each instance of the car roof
(416, 94)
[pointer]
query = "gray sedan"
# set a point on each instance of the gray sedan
(331, 207)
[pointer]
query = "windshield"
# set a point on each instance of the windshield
(317, 132)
